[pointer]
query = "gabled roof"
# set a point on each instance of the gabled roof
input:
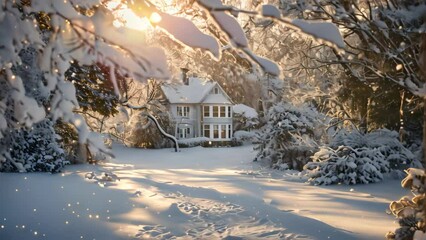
(197, 91)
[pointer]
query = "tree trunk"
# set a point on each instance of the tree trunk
(423, 69)
(424, 134)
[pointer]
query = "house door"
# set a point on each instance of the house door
(184, 132)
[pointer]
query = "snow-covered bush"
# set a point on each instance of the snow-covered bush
(245, 136)
(385, 141)
(245, 117)
(347, 165)
(289, 137)
(410, 212)
(192, 142)
(353, 157)
(33, 150)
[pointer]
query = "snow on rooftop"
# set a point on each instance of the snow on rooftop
(194, 92)
(197, 91)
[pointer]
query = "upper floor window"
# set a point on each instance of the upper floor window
(183, 111)
(222, 111)
(215, 90)
(215, 111)
(206, 111)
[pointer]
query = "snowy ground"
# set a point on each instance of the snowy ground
(199, 193)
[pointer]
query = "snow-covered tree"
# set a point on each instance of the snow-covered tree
(245, 117)
(410, 212)
(290, 136)
(83, 31)
(379, 71)
(355, 157)
(29, 148)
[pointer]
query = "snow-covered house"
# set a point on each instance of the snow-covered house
(200, 108)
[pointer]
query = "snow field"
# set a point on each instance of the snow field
(198, 193)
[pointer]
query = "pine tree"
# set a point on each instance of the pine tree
(35, 148)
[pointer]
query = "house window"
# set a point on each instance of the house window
(216, 90)
(229, 111)
(207, 131)
(182, 111)
(229, 131)
(216, 131)
(222, 131)
(222, 111)
(215, 111)
(206, 111)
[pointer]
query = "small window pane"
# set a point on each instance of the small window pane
(229, 111)
(215, 131)
(222, 111)
(229, 131)
(215, 111)
(206, 111)
(207, 131)
(223, 131)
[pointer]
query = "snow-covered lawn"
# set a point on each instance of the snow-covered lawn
(198, 193)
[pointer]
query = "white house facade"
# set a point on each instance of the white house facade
(200, 108)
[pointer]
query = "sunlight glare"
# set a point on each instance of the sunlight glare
(125, 17)
(155, 17)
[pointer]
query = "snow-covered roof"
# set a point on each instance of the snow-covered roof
(197, 91)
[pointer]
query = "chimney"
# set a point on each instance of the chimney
(185, 78)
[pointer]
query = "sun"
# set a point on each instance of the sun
(125, 17)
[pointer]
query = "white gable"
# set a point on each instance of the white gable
(220, 97)
(197, 91)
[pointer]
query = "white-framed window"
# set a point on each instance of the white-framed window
(206, 111)
(215, 131)
(216, 111)
(222, 111)
(182, 111)
(206, 128)
(223, 131)
(215, 90)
